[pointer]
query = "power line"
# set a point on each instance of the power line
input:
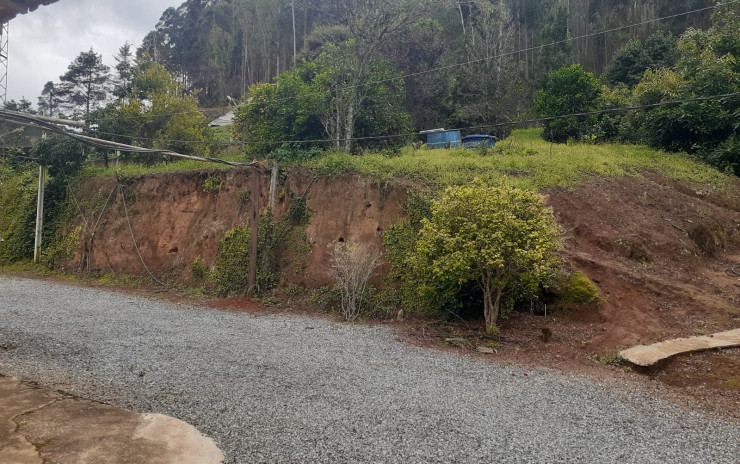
(105, 144)
(469, 128)
(469, 62)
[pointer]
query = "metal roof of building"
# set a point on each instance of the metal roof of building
(225, 120)
(9, 9)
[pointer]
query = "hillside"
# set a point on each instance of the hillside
(225, 46)
(658, 234)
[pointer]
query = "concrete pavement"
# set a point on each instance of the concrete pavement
(38, 426)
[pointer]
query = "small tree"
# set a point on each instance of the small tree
(50, 100)
(568, 90)
(155, 111)
(85, 84)
(491, 236)
(631, 61)
(22, 106)
(352, 264)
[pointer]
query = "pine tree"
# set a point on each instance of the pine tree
(86, 82)
(50, 100)
(125, 70)
(22, 106)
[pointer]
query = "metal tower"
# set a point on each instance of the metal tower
(4, 63)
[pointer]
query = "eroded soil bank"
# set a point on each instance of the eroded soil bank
(661, 252)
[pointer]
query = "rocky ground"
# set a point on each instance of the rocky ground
(285, 388)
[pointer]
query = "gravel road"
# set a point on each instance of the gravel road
(295, 389)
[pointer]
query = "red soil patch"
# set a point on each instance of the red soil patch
(661, 252)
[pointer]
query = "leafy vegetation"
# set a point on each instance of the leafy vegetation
(580, 290)
(524, 161)
(488, 236)
(226, 46)
(154, 110)
(276, 241)
(231, 270)
(703, 64)
(568, 90)
(18, 185)
(212, 184)
(630, 63)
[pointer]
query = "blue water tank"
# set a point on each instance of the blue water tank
(440, 139)
(472, 141)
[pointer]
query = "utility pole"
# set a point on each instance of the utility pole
(273, 185)
(254, 174)
(39, 215)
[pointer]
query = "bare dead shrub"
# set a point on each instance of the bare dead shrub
(352, 264)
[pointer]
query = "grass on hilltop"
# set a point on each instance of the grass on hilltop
(523, 160)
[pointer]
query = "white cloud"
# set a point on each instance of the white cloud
(43, 43)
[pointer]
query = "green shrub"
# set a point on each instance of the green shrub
(242, 199)
(61, 250)
(383, 304)
(568, 90)
(199, 269)
(212, 184)
(17, 213)
(580, 290)
(272, 302)
(324, 298)
(277, 239)
(298, 214)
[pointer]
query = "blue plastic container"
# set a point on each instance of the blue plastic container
(472, 141)
(440, 139)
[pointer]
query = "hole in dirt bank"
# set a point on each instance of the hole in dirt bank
(341, 240)
(709, 239)
(637, 251)
(173, 250)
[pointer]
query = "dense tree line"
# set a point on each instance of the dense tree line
(668, 77)
(350, 69)
(224, 46)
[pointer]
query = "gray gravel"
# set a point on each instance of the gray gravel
(296, 389)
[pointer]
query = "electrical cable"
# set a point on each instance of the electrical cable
(286, 219)
(28, 158)
(468, 128)
(95, 228)
(108, 145)
(133, 238)
(465, 63)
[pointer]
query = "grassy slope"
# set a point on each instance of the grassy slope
(525, 160)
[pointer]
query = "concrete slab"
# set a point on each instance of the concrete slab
(38, 426)
(647, 355)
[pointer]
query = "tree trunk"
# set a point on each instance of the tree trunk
(349, 121)
(462, 18)
(491, 303)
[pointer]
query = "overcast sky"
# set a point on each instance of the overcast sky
(44, 42)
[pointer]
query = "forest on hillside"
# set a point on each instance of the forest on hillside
(307, 75)
(224, 46)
